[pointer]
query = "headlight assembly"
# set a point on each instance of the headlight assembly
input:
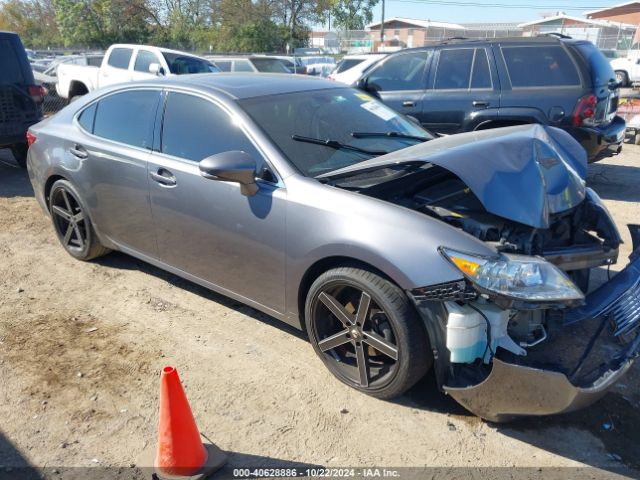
(516, 276)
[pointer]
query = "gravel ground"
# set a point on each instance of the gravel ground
(82, 345)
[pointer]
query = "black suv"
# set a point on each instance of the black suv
(20, 98)
(463, 85)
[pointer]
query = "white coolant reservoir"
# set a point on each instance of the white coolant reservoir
(467, 332)
(499, 320)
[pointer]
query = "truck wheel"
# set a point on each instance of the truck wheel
(20, 151)
(622, 78)
(366, 332)
(636, 138)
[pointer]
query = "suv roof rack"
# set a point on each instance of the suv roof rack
(555, 34)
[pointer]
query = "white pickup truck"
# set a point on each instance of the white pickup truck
(125, 63)
(627, 69)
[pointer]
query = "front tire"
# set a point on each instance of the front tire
(72, 223)
(366, 332)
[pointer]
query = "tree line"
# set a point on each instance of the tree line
(197, 25)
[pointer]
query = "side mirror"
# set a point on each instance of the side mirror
(362, 84)
(233, 166)
(156, 69)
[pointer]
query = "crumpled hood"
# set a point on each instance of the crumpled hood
(523, 173)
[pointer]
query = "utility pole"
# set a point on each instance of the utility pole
(382, 25)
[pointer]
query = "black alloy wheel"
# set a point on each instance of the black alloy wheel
(366, 332)
(72, 224)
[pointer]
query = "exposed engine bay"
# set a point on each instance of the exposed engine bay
(481, 332)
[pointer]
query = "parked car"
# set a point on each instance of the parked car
(351, 67)
(464, 85)
(320, 66)
(393, 250)
(48, 77)
(294, 64)
(20, 98)
(254, 64)
(126, 63)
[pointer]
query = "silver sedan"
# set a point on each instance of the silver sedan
(394, 251)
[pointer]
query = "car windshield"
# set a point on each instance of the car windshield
(184, 64)
(353, 125)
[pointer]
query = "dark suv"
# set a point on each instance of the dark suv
(20, 98)
(463, 85)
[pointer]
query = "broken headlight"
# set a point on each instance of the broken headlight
(516, 276)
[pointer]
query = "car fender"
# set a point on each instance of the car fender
(401, 243)
(524, 115)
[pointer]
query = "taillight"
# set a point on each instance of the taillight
(31, 138)
(330, 77)
(585, 111)
(37, 93)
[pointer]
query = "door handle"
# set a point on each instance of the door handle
(79, 151)
(408, 103)
(480, 103)
(164, 177)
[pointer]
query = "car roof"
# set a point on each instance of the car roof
(239, 86)
(540, 39)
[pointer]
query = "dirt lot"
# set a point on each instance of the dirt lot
(82, 344)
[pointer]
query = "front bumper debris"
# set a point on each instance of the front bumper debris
(512, 390)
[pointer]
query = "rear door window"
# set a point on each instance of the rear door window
(86, 118)
(400, 72)
(119, 58)
(454, 69)
(481, 74)
(10, 67)
(540, 66)
(128, 117)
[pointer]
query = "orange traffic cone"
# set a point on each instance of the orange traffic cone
(181, 452)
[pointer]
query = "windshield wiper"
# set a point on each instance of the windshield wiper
(336, 145)
(388, 134)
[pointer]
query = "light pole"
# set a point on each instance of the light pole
(382, 25)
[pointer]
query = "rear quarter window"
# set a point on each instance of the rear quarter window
(599, 66)
(540, 66)
(348, 64)
(10, 66)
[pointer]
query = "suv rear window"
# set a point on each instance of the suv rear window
(540, 66)
(11, 71)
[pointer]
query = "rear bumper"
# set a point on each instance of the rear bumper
(513, 390)
(601, 141)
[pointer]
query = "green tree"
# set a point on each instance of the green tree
(352, 14)
(33, 20)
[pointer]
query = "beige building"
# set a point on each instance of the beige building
(628, 12)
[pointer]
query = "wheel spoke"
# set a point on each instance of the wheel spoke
(381, 344)
(363, 309)
(79, 236)
(363, 365)
(338, 310)
(334, 341)
(67, 235)
(61, 212)
(66, 201)
(78, 217)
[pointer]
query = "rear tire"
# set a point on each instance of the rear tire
(622, 78)
(72, 223)
(20, 151)
(366, 332)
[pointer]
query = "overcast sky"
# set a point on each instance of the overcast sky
(486, 10)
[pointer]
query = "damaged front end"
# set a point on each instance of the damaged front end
(502, 363)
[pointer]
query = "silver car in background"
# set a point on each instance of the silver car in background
(394, 251)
